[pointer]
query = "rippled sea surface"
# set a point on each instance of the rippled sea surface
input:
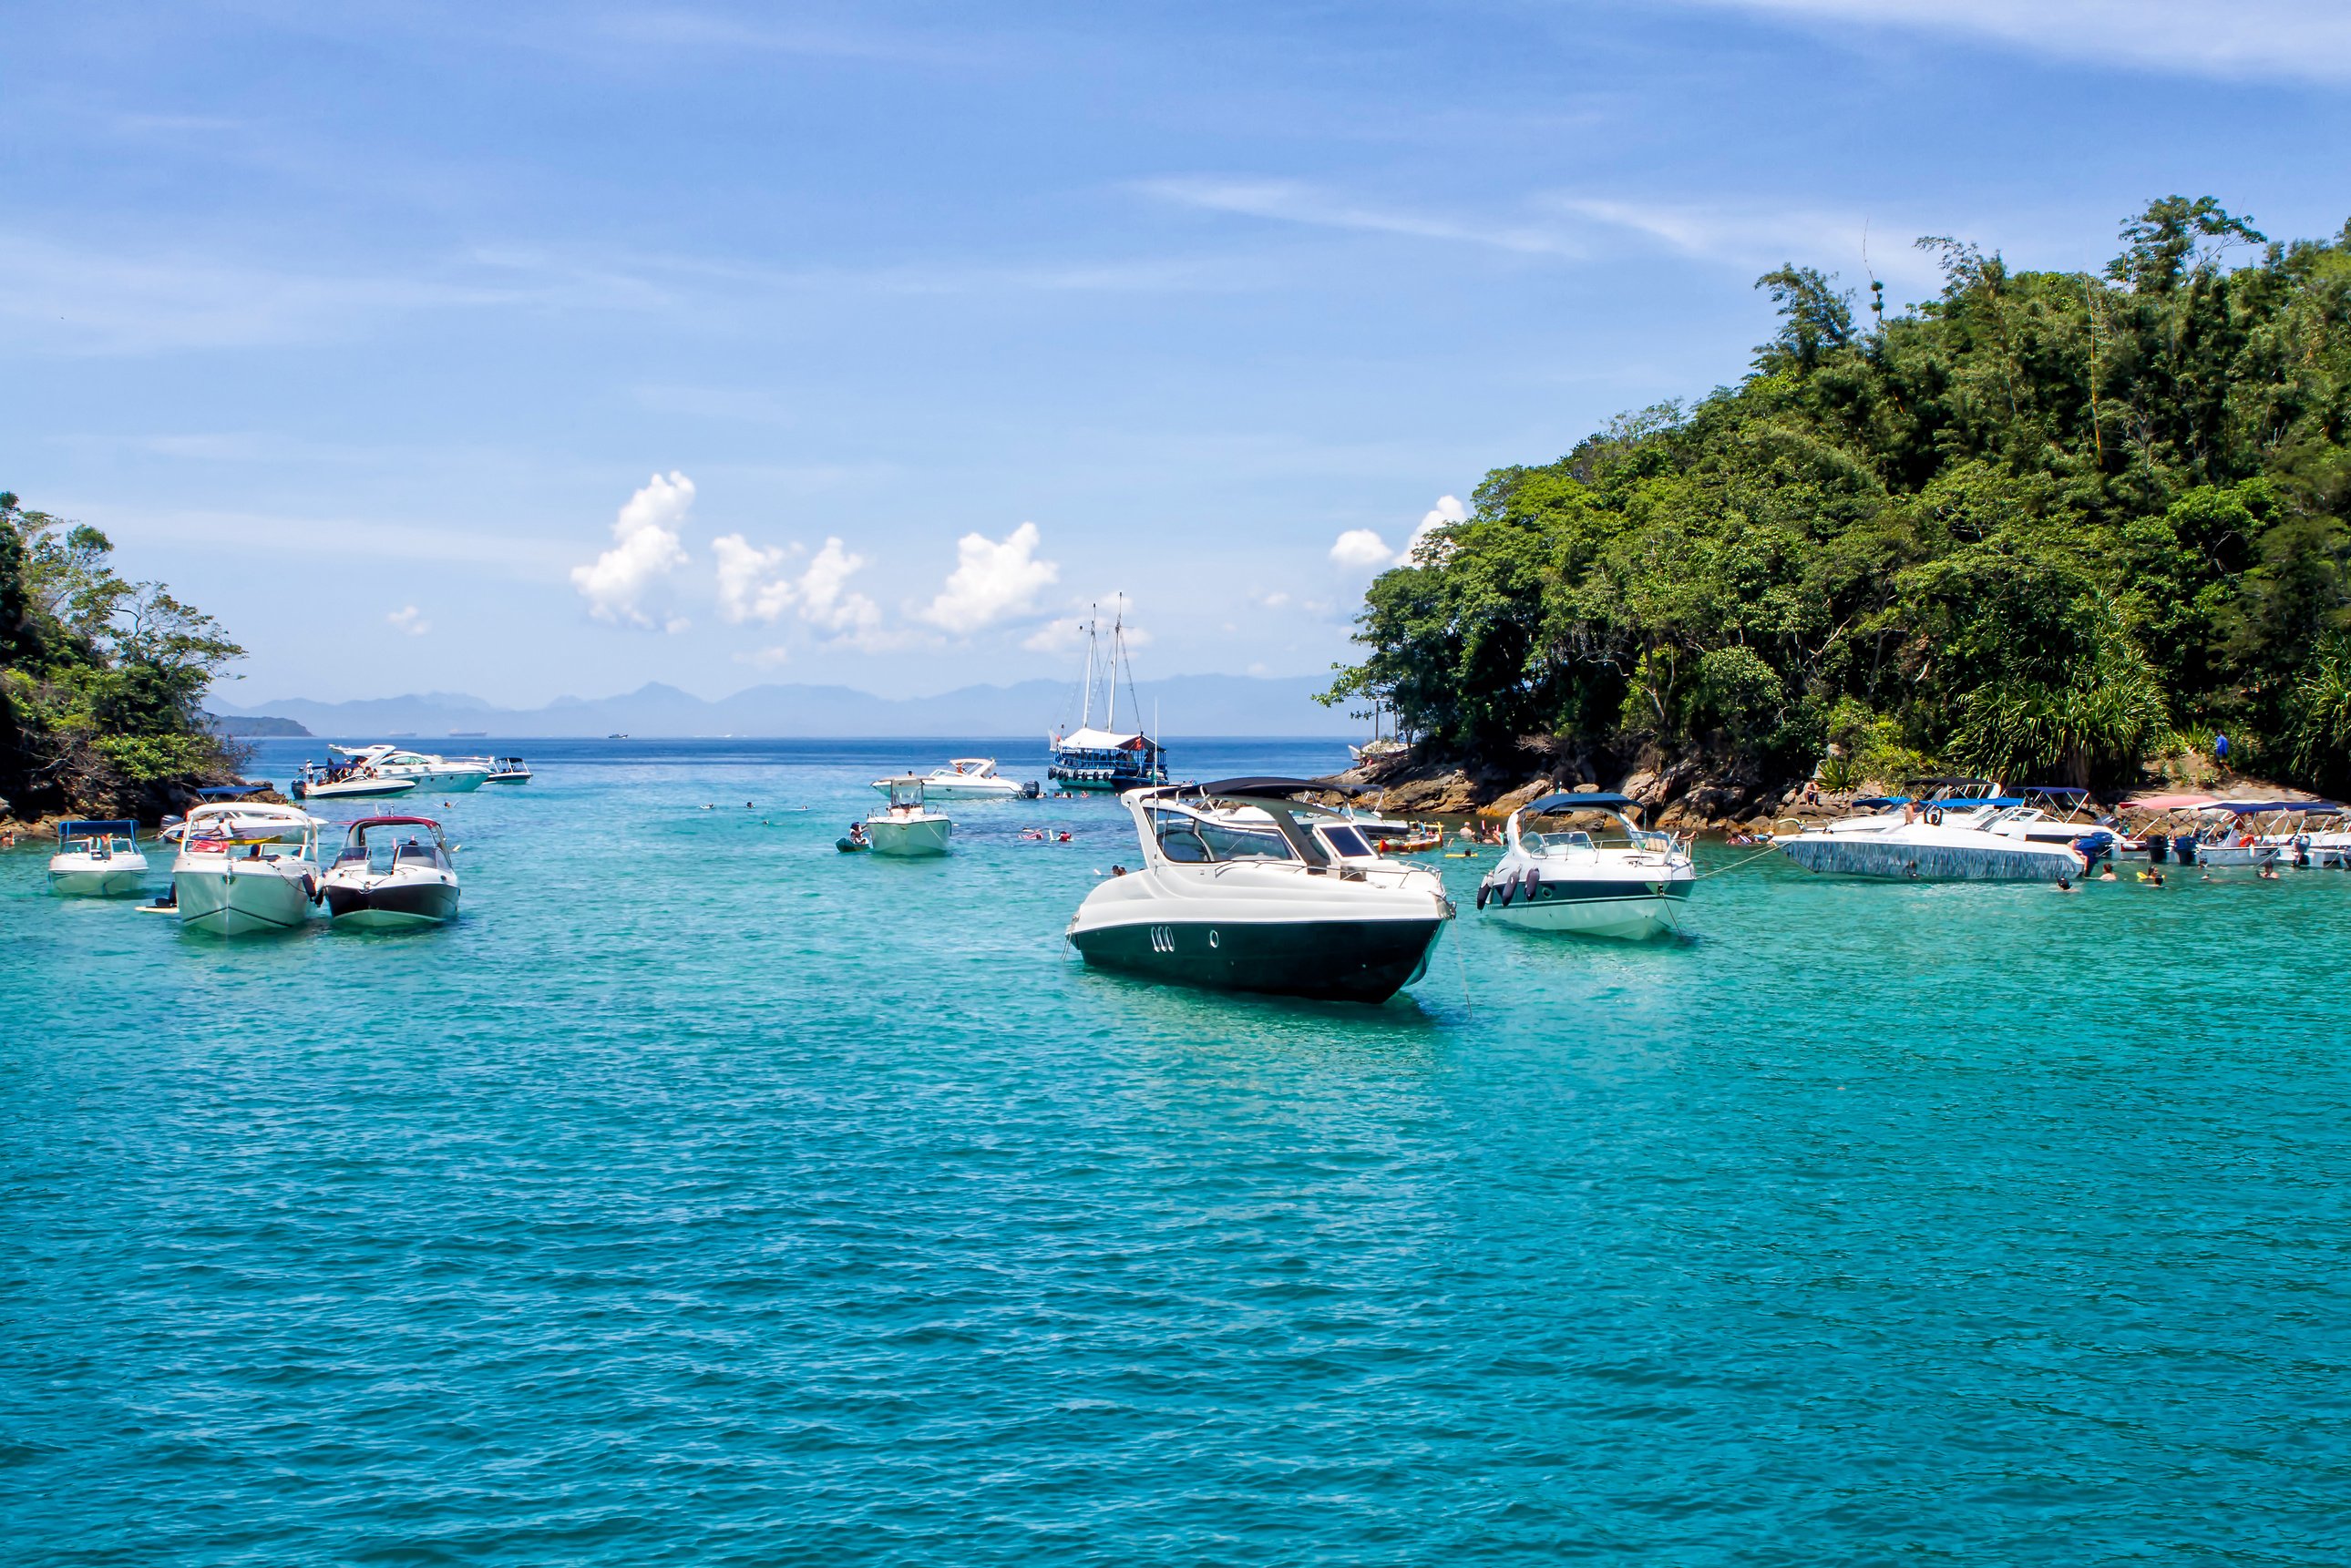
(708, 1197)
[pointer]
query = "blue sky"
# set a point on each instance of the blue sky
(527, 350)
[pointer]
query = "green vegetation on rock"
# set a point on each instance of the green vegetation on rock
(101, 679)
(2041, 525)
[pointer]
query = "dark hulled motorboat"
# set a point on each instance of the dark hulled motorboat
(393, 871)
(1245, 888)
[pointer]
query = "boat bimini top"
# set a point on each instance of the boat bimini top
(104, 832)
(389, 849)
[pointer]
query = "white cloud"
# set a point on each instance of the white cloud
(750, 582)
(765, 658)
(1273, 601)
(1448, 510)
(1360, 550)
(2301, 40)
(1363, 549)
(644, 549)
(992, 580)
(411, 619)
(1055, 637)
(1066, 635)
(827, 601)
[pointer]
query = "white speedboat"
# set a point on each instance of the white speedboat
(1942, 843)
(968, 778)
(247, 867)
(347, 781)
(2229, 835)
(508, 770)
(454, 775)
(906, 826)
(1616, 878)
(98, 859)
(1244, 888)
(393, 871)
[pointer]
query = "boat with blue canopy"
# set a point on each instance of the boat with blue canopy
(98, 859)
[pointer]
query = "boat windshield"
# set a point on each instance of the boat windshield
(1188, 839)
(1618, 834)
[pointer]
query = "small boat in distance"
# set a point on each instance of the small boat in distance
(1109, 757)
(1242, 888)
(1631, 884)
(96, 859)
(393, 871)
(246, 868)
(968, 778)
(906, 826)
(508, 770)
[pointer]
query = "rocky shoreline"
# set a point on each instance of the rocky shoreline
(1682, 791)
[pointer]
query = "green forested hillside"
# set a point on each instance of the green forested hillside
(2040, 525)
(100, 678)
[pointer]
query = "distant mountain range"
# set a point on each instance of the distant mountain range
(1184, 704)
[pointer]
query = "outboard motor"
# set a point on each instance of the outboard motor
(1029, 791)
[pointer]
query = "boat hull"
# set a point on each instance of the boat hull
(457, 783)
(392, 906)
(1636, 910)
(1864, 856)
(936, 789)
(1323, 960)
(112, 882)
(507, 778)
(909, 839)
(230, 903)
(366, 790)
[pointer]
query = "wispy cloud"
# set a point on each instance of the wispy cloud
(1290, 202)
(2292, 40)
(123, 298)
(1750, 235)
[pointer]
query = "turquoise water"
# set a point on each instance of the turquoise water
(708, 1197)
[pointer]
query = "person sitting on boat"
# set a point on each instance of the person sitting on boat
(857, 834)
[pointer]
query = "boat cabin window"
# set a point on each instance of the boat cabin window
(1193, 841)
(1346, 842)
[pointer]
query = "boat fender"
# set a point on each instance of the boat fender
(1506, 890)
(1529, 884)
(310, 888)
(1482, 892)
